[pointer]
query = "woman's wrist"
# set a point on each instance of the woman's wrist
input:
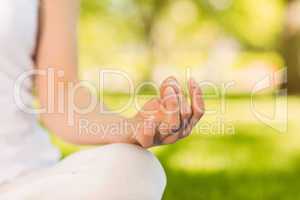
(133, 128)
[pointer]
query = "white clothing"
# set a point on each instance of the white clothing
(24, 146)
(111, 172)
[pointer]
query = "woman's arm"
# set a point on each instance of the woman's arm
(57, 49)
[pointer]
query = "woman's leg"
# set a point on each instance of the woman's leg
(111, 172)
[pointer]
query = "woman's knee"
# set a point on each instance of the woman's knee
(135, 170)
(136, 161)
(129, 170)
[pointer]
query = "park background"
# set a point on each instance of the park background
(248, 144)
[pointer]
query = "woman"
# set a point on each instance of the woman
(42, 33)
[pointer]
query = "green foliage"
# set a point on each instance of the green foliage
(128, 34)
(256, 24)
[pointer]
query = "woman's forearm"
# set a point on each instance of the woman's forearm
(57, 49)
(70, 119)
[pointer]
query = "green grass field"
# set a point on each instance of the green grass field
(254, 163)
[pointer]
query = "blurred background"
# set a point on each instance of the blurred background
(243, 53)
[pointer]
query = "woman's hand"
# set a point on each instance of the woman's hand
(169, 118)
(163, 120)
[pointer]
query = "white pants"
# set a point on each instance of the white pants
(111, 172)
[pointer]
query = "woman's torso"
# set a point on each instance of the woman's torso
(23, 144)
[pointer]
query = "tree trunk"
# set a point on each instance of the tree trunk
(291, 47)
(291, 54)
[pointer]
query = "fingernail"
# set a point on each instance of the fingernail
(169, 91)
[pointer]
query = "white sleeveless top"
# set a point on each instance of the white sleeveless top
(24, 146)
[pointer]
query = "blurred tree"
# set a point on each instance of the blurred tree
(291, 46)
(149, 12)
(237, 18)
(256, 25)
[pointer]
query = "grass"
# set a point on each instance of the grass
(254, 163)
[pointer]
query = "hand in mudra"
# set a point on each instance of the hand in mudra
(170, 117)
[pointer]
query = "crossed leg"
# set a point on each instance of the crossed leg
(111, 172)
